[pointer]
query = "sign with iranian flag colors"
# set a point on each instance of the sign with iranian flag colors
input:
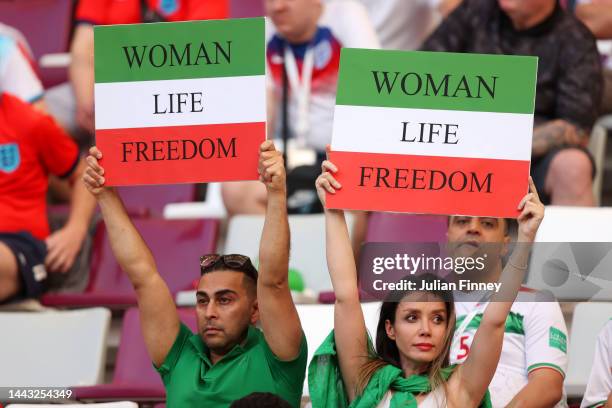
(429, 132)
(180, 102)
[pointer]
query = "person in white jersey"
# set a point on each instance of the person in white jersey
(533, 359)
(599, 388)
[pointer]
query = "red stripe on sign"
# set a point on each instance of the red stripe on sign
(429, 184)
(181, 154)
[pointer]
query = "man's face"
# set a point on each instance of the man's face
(466, 236)
(293, 18)
(523, 9)
(226, 306)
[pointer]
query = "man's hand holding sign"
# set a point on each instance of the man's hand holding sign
(180, 102)
(433, 132)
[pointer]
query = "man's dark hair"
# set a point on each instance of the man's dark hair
(260, 400)
(232, 262)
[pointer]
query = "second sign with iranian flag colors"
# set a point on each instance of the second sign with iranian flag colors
(180, 102)
(435, 133)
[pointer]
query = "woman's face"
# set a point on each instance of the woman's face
(420, 328)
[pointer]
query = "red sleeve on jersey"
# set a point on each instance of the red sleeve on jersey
(207, 9)
(92, 11)
(58, 152)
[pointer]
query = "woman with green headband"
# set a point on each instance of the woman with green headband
(410, 366)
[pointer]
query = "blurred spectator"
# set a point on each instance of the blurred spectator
(597, 15)
(403, 25)
(569, 82)
(306, 39)
(599, 388)
(17, 74)
(32, 146)
(74, 105)
(19, 77)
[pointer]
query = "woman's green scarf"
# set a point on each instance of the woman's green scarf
(327, 389)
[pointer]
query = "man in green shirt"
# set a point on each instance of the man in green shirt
(229, 357)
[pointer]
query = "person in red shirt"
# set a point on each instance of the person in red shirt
(32, 146)
(105, 12)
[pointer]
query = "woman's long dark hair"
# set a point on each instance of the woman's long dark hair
(386, 351)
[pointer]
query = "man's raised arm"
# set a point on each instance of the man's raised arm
(278, 316)
(158, 315)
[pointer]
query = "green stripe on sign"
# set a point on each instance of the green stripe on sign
(437, 80)
(194, 49)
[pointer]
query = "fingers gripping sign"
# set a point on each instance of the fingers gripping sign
(326, 182)
(532, 213)
(93, 177)
(271, 167)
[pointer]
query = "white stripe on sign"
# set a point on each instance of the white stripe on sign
(202, 101)
(468, 134)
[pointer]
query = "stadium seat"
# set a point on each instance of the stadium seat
(576, 224)
(597, 148)
(134, 377)
(53, 348)
(46, 24)
(605, 121)
(392, 227)
(318, 320)
(246, 8)
(118, 404)
(572, 256)
(589, 318)
(176, 246)
(211, 207)
(307, 244)
(149, 201)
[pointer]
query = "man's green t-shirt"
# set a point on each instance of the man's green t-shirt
(191, 380)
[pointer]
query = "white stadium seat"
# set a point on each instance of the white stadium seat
(576, 224)
(120, 404)
(575, 264)
(307, 244)
(53, 349)
(589, 318)
(211, 207)
(318, 320)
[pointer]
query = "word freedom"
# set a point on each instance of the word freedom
(160, 55)
(184, 149)
(412, 264)
(421, 179)
(464, 285)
